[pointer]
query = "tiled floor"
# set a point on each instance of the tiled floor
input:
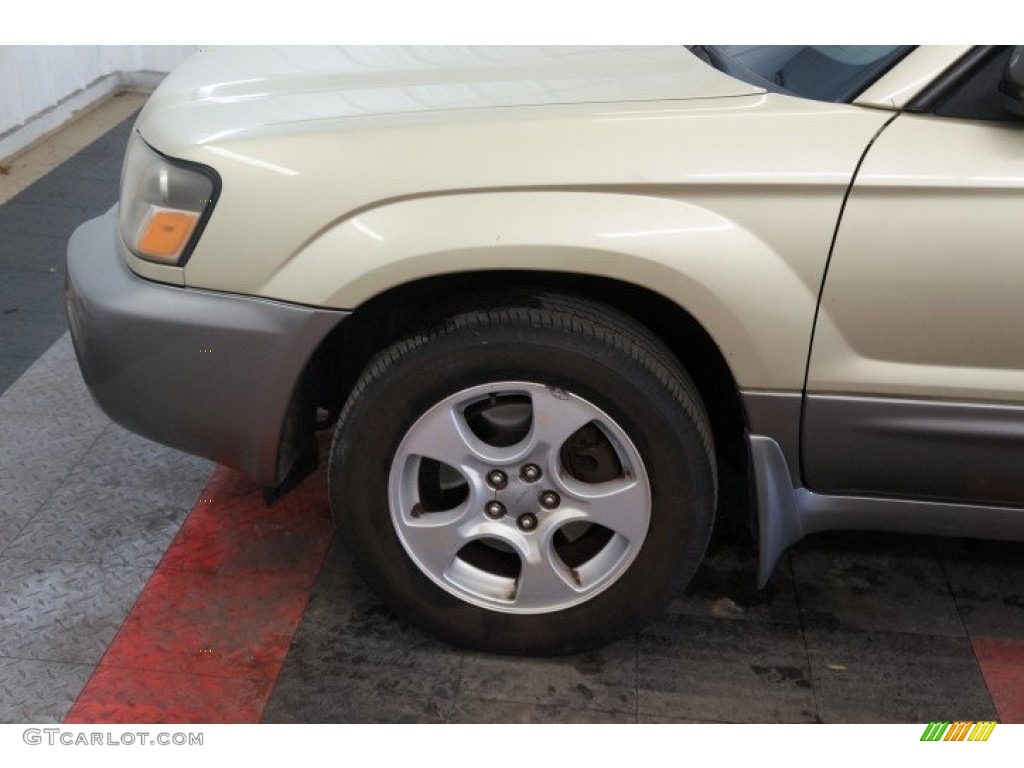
(852, 627)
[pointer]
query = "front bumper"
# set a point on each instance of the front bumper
(208, 373)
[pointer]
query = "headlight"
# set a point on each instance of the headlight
(164, 203)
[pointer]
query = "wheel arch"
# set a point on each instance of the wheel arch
(338, 361)
(751, 288)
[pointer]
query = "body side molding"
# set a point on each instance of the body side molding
(959, 452)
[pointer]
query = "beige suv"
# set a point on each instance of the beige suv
(544, 294)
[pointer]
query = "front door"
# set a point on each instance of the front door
(916, 380)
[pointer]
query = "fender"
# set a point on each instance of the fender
(703, 260)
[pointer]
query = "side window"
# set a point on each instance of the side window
(981, 94)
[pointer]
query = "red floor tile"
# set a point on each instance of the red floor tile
(208, 635)
(232, 530)
(126, 696)
(219, 624)
(1002, 664)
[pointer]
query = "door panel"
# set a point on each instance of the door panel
(924, 299)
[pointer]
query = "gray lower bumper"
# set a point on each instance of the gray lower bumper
(207, 373)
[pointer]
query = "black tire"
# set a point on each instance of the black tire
(586, 348)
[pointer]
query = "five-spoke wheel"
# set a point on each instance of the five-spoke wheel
(519, 497)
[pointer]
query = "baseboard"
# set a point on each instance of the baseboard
(42, 124)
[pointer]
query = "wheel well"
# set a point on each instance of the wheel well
(341, 358)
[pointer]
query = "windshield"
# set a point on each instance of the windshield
(822, 72)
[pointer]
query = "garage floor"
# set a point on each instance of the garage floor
(138, 584)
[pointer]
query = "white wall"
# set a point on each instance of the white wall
(41, 86)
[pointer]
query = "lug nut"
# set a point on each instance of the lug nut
(549, 500)
(527, 521)
(494, 509)
(530, 473)
(497, 479)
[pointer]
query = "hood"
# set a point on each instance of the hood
(229, 90)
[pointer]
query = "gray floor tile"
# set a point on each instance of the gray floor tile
(18, 218)
(36, 448)
(725, 587)
(122, 459)
(54, 611)
(94, 166)
(300, 699)
(30, 252)
(29, 334)
(60, 189)
(39, 691)
(881, 677)
(23, 290)
(94, 524)
(699, 668)
(603, 680)
(470, 710)
(53, 386)
(890, 591)
(374, 648)
(52, 257)
(19, 502)
(669, 720)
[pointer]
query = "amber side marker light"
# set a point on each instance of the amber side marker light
(166, 233)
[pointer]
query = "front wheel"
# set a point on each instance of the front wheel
(536, 478)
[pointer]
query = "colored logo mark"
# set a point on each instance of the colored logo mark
(959, 731)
